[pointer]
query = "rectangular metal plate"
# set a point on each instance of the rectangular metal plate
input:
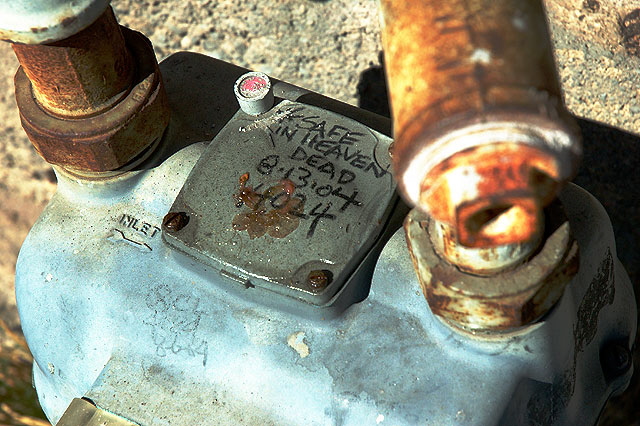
(290, 200)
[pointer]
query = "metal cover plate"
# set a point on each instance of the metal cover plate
(281, 196)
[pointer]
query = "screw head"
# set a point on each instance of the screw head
(175, 221)
(616, 359)
(319, 279)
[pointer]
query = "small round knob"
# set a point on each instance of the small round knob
(254, 93)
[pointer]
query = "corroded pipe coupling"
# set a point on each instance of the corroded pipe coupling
(482, 141)
(94, 101)
(492, 289)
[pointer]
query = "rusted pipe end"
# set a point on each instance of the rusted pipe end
(82, 75)
(488, 180)
(482, 141)
(491, 194)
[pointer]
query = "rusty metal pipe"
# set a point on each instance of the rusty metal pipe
(93, 102)
(82, 75)
(482, 141)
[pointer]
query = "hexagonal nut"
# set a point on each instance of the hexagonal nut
(109, 140)
(503, 301)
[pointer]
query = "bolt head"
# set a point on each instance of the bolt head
(319, 279)
(175, 221)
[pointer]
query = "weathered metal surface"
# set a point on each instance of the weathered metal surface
(82, 75)
(45, 21)
(176, 346)
(478, 120)
(108, 140)
(183, 348)
(283, 195)
(494, 194)
(504, 300)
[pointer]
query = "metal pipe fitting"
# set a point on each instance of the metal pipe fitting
(482, 141)
(510, 288)
(94, 101)
(82, 75)
(478, 260)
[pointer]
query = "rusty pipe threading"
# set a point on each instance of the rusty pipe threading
(82, 75)
(482, 141)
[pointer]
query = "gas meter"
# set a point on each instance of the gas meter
(227, 248)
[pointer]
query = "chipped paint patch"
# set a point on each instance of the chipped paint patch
(481, 56)
(296, 341)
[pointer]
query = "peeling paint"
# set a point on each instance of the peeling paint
(297, 342)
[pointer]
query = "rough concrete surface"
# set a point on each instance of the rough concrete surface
(333, 47)
(598, 50)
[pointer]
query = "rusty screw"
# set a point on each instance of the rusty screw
(175, 221)
(319, 279)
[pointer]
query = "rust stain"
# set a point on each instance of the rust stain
(275, 211)
(462, 56)
(76, 77)
(514, 298)
(70, 120)
(175, 221)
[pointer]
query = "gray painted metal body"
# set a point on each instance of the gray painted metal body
(113, 313)
(45, 21)
(339, 176)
